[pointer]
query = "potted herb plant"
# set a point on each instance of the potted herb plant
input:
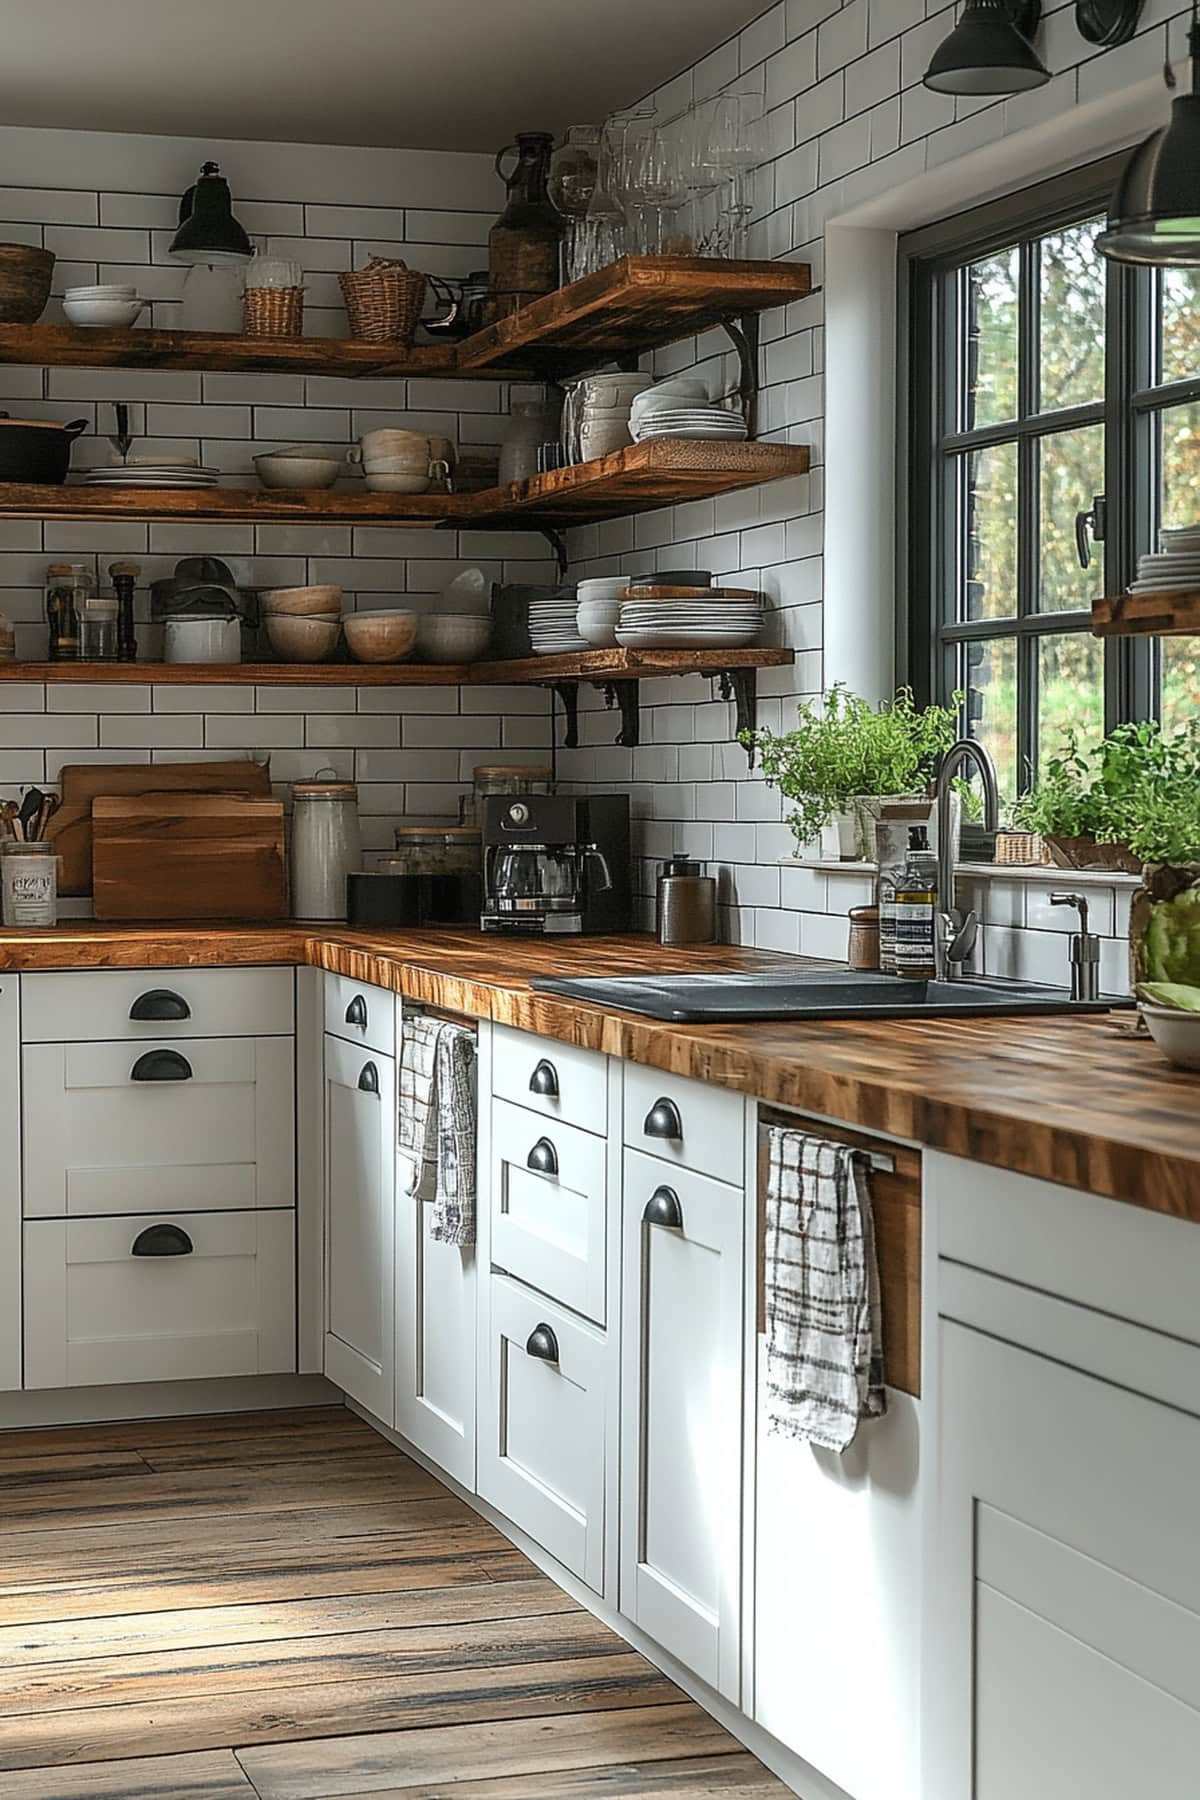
(845, 757)
(1125, 802)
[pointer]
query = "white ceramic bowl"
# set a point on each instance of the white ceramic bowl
(302, 640)
(383, 636)
(453, 637)
(597, 628)
(613, 390)
(1176, 1033)
(297, 471)
(600, 440)
(400, 484)
(116, 290)
(469, 592)
(301, 602)
(116, 313)
(601, 587)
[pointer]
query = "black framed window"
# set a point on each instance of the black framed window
(1055, 405)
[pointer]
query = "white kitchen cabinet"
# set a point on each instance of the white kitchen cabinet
(10, 1184)
(360, 1013)
(558, 1080)
(681, 1415)
(178, 1297)
(549, 1207)
(435, 1342)
(360, 1271)
(693, 1124)
(543, 1426)
(73, 1006)
(174, 1126)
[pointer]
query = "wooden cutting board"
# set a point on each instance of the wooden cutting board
(187, 856)
(70, 829)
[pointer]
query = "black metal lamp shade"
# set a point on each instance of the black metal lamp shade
(208, 231)
(1108, 22)
(989, 51)
(1155, 211)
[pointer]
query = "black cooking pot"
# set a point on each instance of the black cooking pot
(37, 449)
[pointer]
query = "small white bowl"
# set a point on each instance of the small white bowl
(116, 313)
(601, 587)
(597, 629)
(400, 484)
(453, 637)
(1177, 1034)
(112, 291)
(469, 592)
(297, 471)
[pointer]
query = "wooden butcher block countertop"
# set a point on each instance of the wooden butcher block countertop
(1069, 1099)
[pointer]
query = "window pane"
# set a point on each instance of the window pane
(1071, 474)
(1073, 279)
(988, 522)
(987, 674)
(1070, 691)
(1180, 329)
(1180, 682)
(1179, 460)
(990, 378)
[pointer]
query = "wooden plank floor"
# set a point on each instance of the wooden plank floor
(279, 1606)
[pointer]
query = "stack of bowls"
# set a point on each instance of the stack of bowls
(676, 392)
(302, 622)
(599, 610)
(596, 416)
(399, 462)
(110, 303)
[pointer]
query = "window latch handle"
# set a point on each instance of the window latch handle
(1091, 527)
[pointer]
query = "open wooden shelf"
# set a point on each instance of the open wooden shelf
(635, 304)
(638, 479)
(1175, 612)
(602, 666)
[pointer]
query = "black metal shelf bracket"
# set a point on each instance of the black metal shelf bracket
(740, 686)
(626, 695)
(568, 694)
(743, 333)
(558, 545)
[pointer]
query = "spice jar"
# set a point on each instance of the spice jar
(864, 938)
(326, 846)
(99, 636)
(68, 586)
(29, 884)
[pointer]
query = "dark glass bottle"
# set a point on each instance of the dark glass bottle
(523, 243)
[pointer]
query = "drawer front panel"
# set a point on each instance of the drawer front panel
(542, 1434)
(97, 1313)
(557, 1080)
(549, 1207)
(155, 1003)
(361, 1014)
(690, 1123)
(122, 1128)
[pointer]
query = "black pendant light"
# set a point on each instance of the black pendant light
(1108, 22)
(208, 231)
(989, 51)
(1155, 211)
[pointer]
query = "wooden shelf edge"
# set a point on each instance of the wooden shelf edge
(1172, 612)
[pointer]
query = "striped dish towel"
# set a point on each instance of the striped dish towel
(435, 1127)
(824, 1337)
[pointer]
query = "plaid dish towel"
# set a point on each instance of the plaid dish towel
(435, 1128)
(824, 1337)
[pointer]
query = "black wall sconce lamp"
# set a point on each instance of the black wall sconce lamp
(991, 51)
(1155, 211)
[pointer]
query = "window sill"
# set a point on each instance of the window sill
(1035, 872)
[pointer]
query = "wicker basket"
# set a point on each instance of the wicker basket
(24, 283)
(273, 312)
(383, 301)
(1020, 849)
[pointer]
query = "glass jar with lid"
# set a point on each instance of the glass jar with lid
(444, 865)
(507, 779)
(68, 586)
(326, 844)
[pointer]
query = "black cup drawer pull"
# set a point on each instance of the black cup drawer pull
(542, 1343)
(162, 1240)
(356, 1013)
(161, 1065)
(663, 1121)
(368, 1081)
(663, 1208)
(160, 1004)
(543, 1158)
(544, 1080)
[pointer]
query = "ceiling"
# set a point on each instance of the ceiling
(439, 74)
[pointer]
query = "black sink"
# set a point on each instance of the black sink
(815, 994)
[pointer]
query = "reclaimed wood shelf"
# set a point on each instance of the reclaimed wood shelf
(638, 479)
(634, 305)
(1173, 612)
(606, 666)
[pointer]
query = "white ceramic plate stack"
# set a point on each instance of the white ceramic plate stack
(1176, 566)
(695, 623)
(169, 473)
(552, 627)
(715, 424)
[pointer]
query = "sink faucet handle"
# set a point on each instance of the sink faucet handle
(1079, 902)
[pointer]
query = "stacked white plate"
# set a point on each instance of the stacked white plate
(164, 474)
(552, 627)
(715, 423)
(1177, 565)
(697, 624)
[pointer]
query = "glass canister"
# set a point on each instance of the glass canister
(531, 424)
(99, 634)
(68, 586)
(444, 865)
(29, 883)
(326, 845)
(506, 779)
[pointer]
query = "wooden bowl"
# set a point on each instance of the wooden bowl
(304, 602)
(24, 283)
(303, 640)
(380, 637)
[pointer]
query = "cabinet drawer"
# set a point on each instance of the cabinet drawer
(549, 1207)
(206, 1294)
(361, 1014)
(149, 1003)
(543, 1427)
(191, 1126)
(559, 1081)
(690, 1123)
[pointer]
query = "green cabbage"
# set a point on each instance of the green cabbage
(1172, 942)
(1171, 993)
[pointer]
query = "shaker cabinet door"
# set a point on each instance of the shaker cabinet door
(360, 1157)
(435, 1342)
(681, 1415)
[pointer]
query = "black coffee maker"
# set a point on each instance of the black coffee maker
(556, 863)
